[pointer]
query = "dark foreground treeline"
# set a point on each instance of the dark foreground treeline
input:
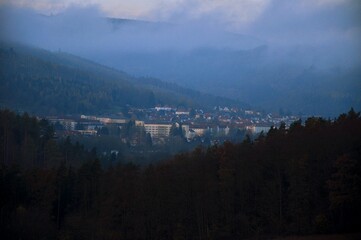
(301, 180)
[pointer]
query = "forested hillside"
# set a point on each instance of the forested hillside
(301, 180)
(262, 76)
(43, 82)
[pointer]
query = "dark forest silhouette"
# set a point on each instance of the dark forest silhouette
(301, 180)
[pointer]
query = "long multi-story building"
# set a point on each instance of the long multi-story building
(162, 130)
(157, 130)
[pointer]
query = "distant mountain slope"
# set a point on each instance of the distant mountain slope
(311, 77)
(294, 80)
(45, 82)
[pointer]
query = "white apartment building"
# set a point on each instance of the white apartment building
(157, 130)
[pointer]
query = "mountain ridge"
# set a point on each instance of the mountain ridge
(40, 81)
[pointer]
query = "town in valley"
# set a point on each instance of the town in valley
(136, 126)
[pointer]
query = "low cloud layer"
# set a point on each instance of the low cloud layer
(87, 29)
(310, 22)
(197, 22)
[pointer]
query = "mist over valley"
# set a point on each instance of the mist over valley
(299, 74)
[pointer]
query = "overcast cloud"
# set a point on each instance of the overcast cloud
(79, 26)
(296, 21)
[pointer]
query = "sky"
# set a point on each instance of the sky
(156, 10)
(327, 18)
(332, 28)
(238, 12)
(278, 21)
